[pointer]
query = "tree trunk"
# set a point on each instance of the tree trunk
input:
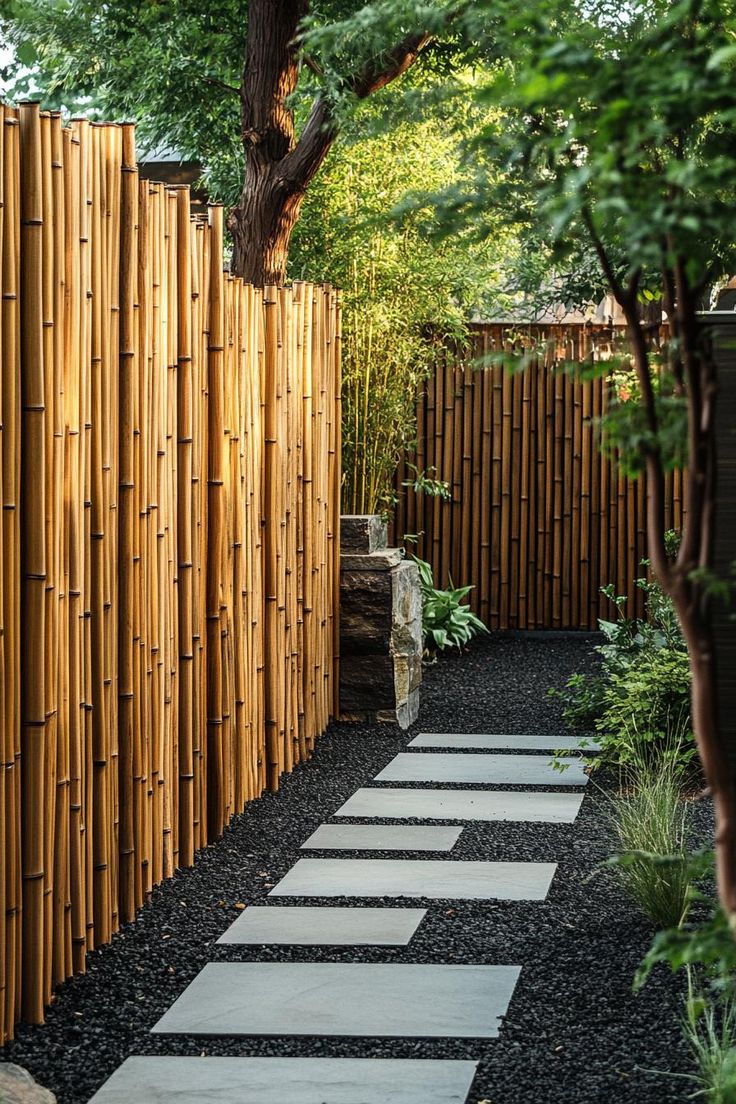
(712, 750)
(278, 166)
(261, 227)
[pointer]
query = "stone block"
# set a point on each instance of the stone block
(380, 627)
(362, 533)
(366, 684)
(365, 612)
(404, 714)
(385, 560)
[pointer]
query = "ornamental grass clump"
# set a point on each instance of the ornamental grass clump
(650, 823)
(709, 1027)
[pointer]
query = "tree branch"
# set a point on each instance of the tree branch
(373, 77)
(216, 83)
(300, 165)
(319, 132)
(652, 457)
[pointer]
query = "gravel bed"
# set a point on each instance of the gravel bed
(575, 1033)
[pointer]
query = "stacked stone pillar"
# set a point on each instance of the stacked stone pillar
(380, 625)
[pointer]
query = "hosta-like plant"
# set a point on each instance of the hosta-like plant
(447, 620)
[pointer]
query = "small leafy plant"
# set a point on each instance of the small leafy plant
(639, 702)
(447, 621)
(426, 482)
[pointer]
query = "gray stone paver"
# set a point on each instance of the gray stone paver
(427, 878)
(324, 925)
(432, 804)
(343, 999)
(176, 1080)
(483, 740)
(383, 837)
(499, 770)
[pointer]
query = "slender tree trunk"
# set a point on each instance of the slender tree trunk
(712, 750)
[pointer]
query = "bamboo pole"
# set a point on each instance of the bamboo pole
(128, 543)
(10, 398)
(57, 862)
(215, 525)
(34, 562)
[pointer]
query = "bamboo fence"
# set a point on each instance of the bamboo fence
(169, 465)
(539, 519)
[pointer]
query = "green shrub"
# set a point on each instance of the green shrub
(639, 703)
(645, 709)
(446, 619)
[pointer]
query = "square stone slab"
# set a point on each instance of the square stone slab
(383, 837)
(499, 770)
(390, 927)
(488, 742)
(433, 878)
(552, 808)
(279, 1080)
(385, 1000)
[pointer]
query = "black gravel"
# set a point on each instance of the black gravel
(575, 1032)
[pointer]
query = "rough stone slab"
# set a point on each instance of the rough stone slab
(439, 879)
(486, 741)
(499, 770)
(384, 560)
(398, 804)
(363, 533)
(280, 1080)
(326, 926)
(383, 837)
(385, 1000)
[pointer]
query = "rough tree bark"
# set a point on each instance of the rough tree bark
(279, 165)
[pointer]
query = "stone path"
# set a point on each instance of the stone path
(368, 999)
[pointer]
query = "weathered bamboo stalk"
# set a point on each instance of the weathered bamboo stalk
(10, 398)
(34, 562)
(215, 526)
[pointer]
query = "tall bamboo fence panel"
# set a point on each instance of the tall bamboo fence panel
(539, 518)
(169, 466)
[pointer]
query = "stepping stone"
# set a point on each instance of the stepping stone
(500, 770)
(483, 741)
(434, 878)
(276, 1080)
(383, 837)
(389, 927)
(548, 808)
(386, 1000)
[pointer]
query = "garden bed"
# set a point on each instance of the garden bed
(575, 1031)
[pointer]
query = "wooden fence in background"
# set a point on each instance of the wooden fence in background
(539, 520)
(169, 464)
